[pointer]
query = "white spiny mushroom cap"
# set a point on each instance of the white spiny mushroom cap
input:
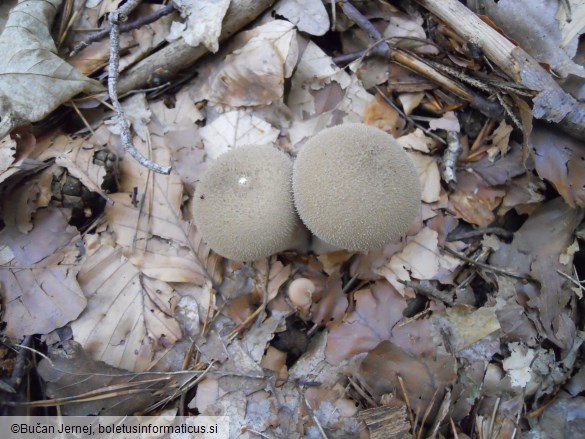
(355, 187)
(243, 204)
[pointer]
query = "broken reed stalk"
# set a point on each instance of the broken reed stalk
(115, 17)
(515, 63)
(178, 55)
(411, 62)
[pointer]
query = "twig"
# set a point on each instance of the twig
(577, 283)
(515, 63)
(20, 363)
(486, 266)
(450, 157)
(125, 27)
(480, 232)
(429, 291)
(412, 62)
(405, 116)
(115, 17)
(317, 423)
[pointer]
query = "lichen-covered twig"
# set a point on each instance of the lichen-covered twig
(117, 16)
(449, 162)
(124, 27)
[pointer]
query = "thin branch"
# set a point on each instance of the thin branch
(124, 27)
(486, 266)
(115, 18)
(20, 363)
(429, 291)
(480, 232)
(416, 64)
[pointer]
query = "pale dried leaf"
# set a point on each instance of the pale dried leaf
(40, 300)
(254, 74)
(448, 122)
(314, 70)
(465, 326)
(309, 16)
(474, 200)
(234, 129)
(410, 101)
(378, 309)
(535, 250)
(35, 80)
(422, 376)
(7, 151)
(574, 27)
(181, 116)
(204, 18)
(418, 141)
(128, 315)
(429, 176)
(50, 233)
(559, 159)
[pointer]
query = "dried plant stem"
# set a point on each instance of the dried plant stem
(178, 55)
(480, 232)
(514, 62)
(485, 266)
(429, 291)
(124, 27)
(115, 18)
(20, 363)
(412, 62)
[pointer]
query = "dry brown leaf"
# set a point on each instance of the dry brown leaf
(314, 71)
(425, 377)
(473, 200)
(334, 410)
(204, 18)
(448, 122)
(40, 300)
(329, 302)
(309, 16)
(501, 170)
(378, 309)
(381, 115)
(524, 194)
(254, 74)
(420, 259)
(72, 372)
(429, 176)
(535, 250)
(418, 141)
(233, 129)
(559, 159)
(40, 295)
(128, 315)
(465, 326)
(180, 116)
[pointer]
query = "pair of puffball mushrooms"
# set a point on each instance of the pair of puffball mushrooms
(353, 187)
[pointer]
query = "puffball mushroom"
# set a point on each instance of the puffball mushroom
(243, 204)
(300, 293)
(355, 187)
